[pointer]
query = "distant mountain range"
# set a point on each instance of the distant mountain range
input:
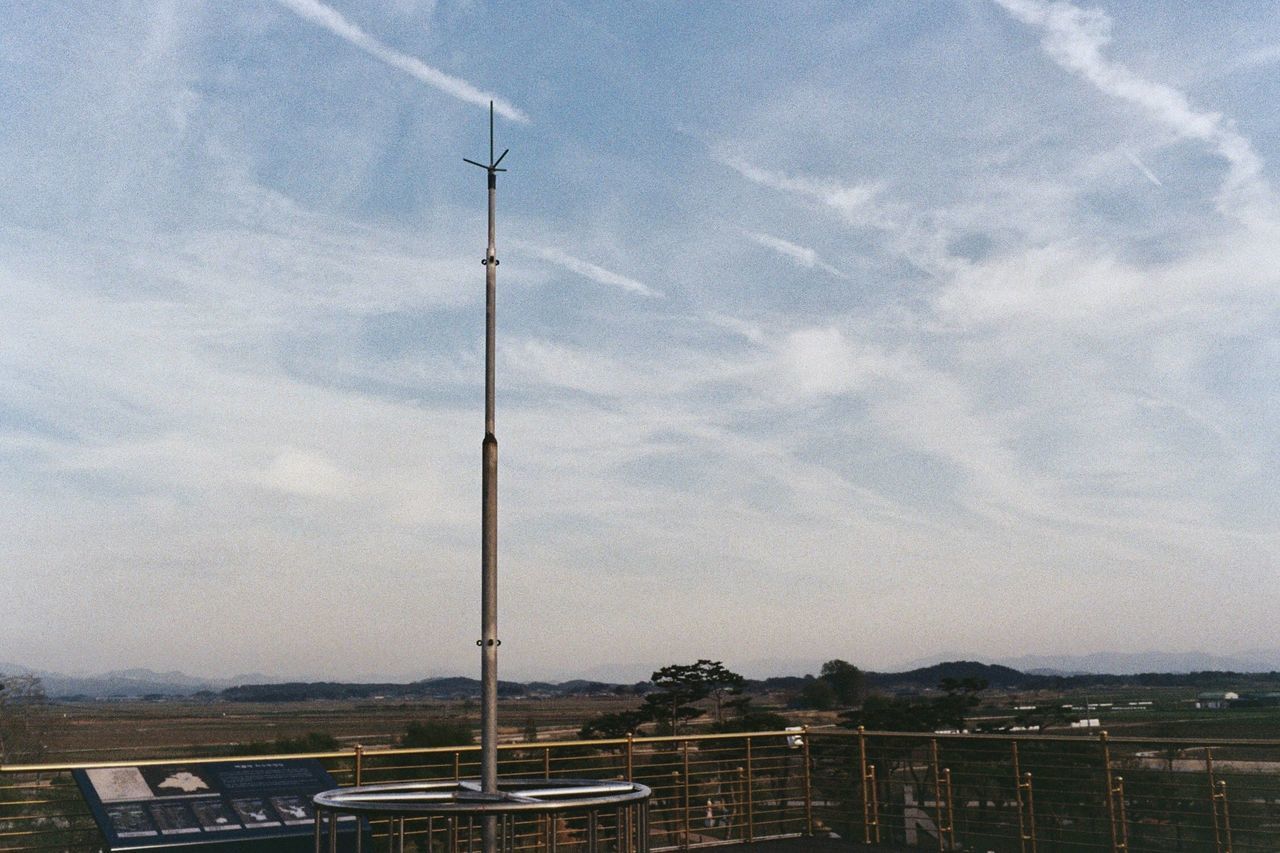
(256, 687)
(1027, 671)
(129, 683)
(1122, 663)
(455, 687)
(921, 679)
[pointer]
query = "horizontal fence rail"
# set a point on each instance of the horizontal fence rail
(945, 792)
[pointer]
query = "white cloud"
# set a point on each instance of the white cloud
(750, 332)
(298, 472)
(562, 366)
(820, 361)
(1075, 38)
(1258, 58)
(333, 21)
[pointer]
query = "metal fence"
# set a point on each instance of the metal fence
(909, 791)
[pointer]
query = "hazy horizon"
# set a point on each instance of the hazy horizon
(874, 329)
(1113, 663)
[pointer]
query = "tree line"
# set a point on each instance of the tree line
(685, 692)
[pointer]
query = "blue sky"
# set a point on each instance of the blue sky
(874, 331)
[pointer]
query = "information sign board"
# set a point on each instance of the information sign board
(196, 805)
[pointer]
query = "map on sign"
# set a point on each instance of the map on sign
(151, 806)
(118, 783)
(184, 781)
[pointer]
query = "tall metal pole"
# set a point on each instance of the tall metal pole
(489, 525)
(489, 519)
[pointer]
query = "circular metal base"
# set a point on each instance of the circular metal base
(420, 799)
(612, 810)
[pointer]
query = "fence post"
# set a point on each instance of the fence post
(629, 817)
(1022, 782)
(1106, 774)
(1218, 806)
(1031, 810)
(1226, 814)
(808, 783)
(866, 799)
(1120, 814)
(546, 762)
(937, 794)
(358, 774)
(455, 822)
(875, 800)
(686, 793)
(1120, 833)
(1017, 797)
(751, 804)
(951, 810)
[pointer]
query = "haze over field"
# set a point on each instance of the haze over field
(867, 331)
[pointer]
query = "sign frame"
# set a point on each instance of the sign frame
(206, 804)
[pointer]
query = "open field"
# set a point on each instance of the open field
(108, 730)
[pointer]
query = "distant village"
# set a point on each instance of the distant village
(1221, 701)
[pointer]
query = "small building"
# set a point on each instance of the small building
(1216, 701)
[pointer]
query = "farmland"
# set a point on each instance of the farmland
(91, 731)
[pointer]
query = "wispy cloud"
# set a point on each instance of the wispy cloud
(801, 255)
(858, 205)
(855, 203)
(1075, 37)
(1256, 59)
(587, 270)
(333, 21)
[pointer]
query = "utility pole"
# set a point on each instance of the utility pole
(488, 641)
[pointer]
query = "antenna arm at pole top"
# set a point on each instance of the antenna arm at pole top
(493, 168)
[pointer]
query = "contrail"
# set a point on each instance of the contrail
(802, 255)
(1142, 167)
(331, 19)
(586, 269)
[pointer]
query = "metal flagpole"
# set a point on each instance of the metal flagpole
(488, 641)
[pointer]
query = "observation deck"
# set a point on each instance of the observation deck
(834, 789)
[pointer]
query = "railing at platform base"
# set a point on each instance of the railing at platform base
(904, 790)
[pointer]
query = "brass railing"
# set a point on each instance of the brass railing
(910, 791)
